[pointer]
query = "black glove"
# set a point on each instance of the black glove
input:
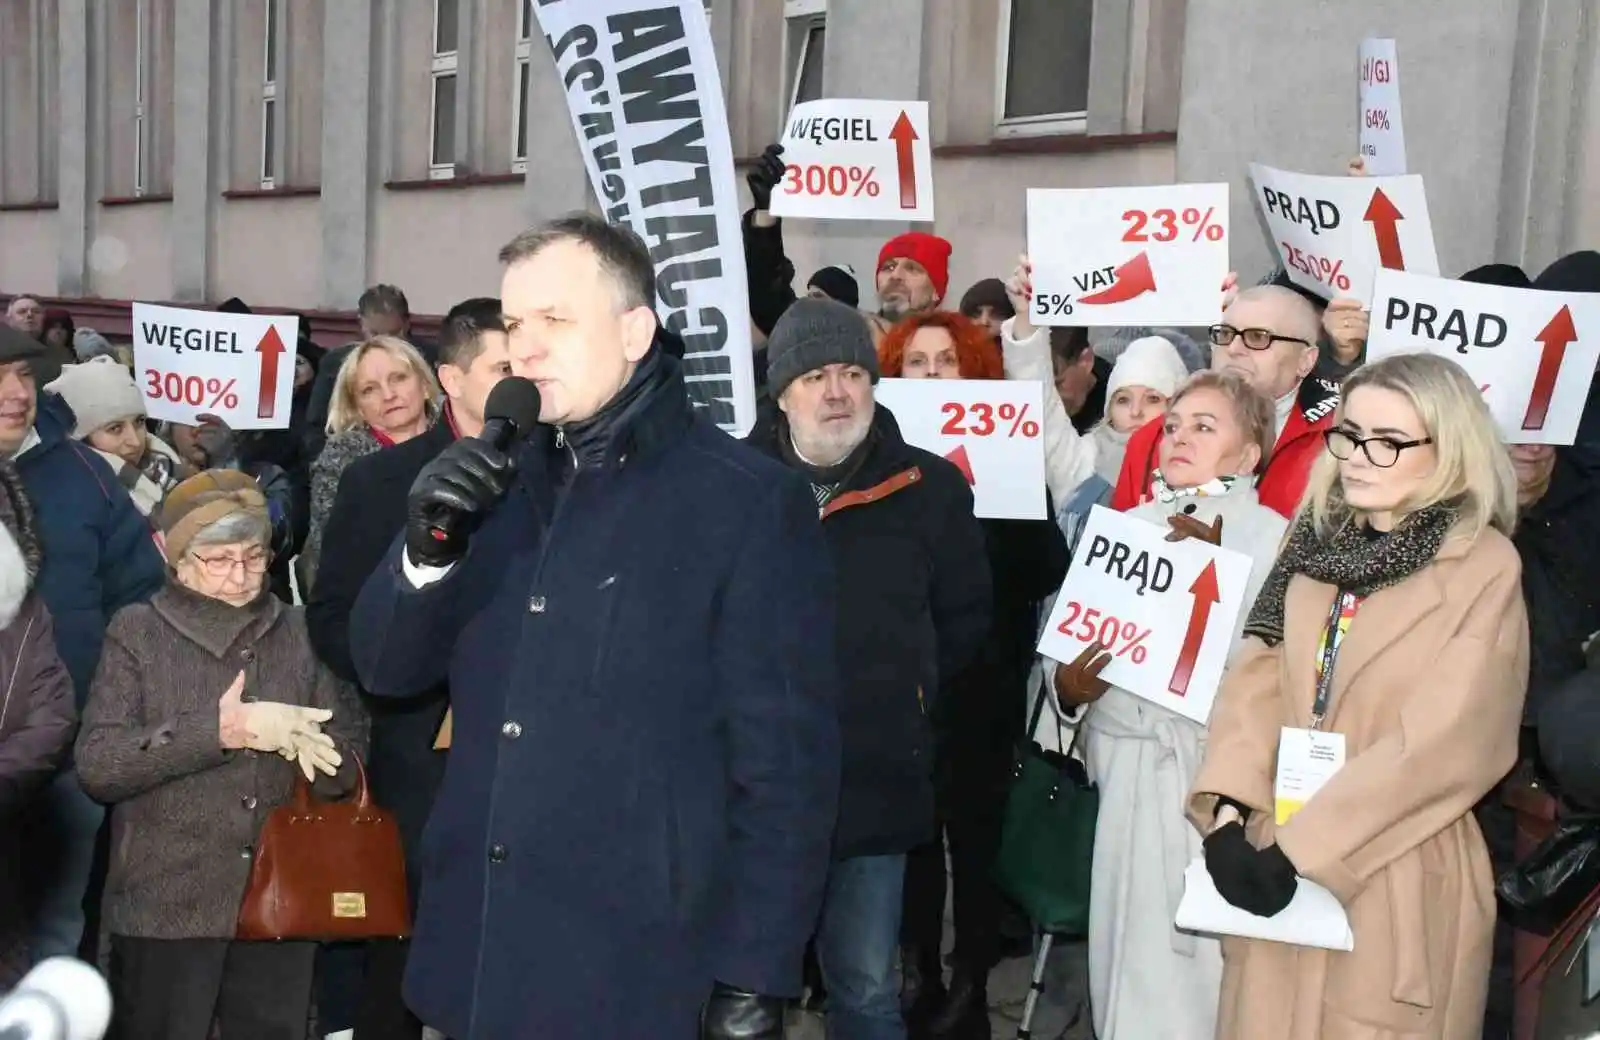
(1258, 881)
(737, 1014)
(450, 498)
(765, 175)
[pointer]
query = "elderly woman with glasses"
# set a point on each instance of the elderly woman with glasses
(207, 705)
(1269, 336)
(1391, 635)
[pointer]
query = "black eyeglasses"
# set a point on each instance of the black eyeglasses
(1382, 452)
(1255, 339)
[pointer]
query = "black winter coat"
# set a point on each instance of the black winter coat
(914, 605)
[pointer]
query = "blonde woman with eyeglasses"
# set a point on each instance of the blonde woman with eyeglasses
(1391, 634)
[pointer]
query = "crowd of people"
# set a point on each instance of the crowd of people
(680, 730)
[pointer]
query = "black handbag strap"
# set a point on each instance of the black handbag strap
(1038, 712)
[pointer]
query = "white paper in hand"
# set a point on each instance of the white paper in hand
(1313, 918)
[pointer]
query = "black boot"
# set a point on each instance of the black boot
(921, 987)
(964, 1015)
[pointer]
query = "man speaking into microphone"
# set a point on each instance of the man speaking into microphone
(634, 615)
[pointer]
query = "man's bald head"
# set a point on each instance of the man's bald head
(1294, 322)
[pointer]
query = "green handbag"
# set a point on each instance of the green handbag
(1047, 844)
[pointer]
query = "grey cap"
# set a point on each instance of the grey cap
(812, 334)
(18, 346)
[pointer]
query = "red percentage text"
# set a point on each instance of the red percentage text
(1317, 268)
(1169, 224)
(837, 181)
(979, 420)
(1089, 625)
(191, 390)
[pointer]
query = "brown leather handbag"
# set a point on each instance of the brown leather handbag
(327, 871)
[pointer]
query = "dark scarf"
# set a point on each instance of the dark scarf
(825, 480)
(591, 438)
(1352, 559)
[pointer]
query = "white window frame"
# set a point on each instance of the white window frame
(800, 17)
(1047, 125)
(270, 55)
(444, 65)
(521, 81)
(141, 40)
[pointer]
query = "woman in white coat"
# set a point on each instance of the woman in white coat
(1146, 978)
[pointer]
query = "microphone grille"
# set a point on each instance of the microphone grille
(515, 400)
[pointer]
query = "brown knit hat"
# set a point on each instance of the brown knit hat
(201, 501)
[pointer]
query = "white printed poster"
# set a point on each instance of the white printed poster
(237, 367)
(1382, 134)
(852, 159)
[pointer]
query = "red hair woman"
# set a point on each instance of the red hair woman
(977, 718)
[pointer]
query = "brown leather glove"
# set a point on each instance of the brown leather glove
(1079, 682)
(1185, 526)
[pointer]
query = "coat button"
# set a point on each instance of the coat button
(536, 605)
(248, 801)
(247, 656)
(498, 853)
(511, 730)
(246, 852)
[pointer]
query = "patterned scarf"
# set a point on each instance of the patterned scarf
(1351, 559)
(1216, 487)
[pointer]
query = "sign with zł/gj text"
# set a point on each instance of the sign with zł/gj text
(1532, 353)
(1128, 256)
(989, 428)
(1382, 137)
(646, 103)
(237, 367)
(1165, 611)
(1334, 233)
(848, 159)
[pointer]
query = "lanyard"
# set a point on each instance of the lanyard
(1332, 638)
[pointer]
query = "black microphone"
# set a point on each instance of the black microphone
(511, 411)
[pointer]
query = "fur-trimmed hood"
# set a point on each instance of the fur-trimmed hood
(20, 553)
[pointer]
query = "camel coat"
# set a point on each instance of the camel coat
(1428, 692)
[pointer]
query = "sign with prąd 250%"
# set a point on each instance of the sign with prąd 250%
(1165, 611)
(233, 366)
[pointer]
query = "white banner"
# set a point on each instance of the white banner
(1333, 233)
(1382, 136)
(646, 104)
(1128, 256)
(237, 367)
(1166, 611)
(849, 159)
(1532, 353)
(988, 427)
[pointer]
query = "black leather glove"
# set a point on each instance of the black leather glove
(450, 498)
(765, 175)
(737, 1014)
(1258, 881)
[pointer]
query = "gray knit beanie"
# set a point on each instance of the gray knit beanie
(813, 333)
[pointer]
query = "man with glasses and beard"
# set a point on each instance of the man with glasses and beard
(1268, 335)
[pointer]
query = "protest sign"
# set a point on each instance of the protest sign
(1382, 137)
(646, 104)
(237, 367)
(1128, 256)
(1165, 610)
(988, 427)
(849, 159)
(1334, 233)
(1532, 353)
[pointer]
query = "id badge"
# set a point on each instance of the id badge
(1307, 759)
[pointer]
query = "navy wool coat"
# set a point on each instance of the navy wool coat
(644, 771)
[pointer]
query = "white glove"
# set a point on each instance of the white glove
(316, 754)
(268, 725)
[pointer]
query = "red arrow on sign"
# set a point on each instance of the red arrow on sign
(1205, 594)
(270, 348)
(963, 463)
(1555, 336)
(904, 133)
(1133, 278)
(1385, 220)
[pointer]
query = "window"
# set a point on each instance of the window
(519, 104)
(807, 44)
(442, 120)
(269, 99)
(141, 84)
(1044, 66)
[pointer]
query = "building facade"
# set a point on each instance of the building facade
(291, 152)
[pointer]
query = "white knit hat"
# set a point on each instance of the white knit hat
(1152, 361)
(98, 391)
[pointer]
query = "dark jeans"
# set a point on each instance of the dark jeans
(170, 989)
(856, 947)
(358, 987)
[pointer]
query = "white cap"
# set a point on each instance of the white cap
(60, 999)
(1153, 362)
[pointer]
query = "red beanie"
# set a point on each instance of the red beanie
(931, 251)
